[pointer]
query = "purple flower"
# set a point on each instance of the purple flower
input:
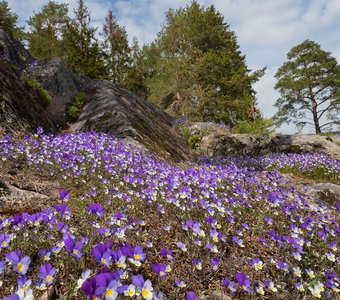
(138, 253)
(96, 209)
(12, 297)
(256, 263)
(64, 195)
(197, 263)
(102, 255)
(2, 266)
(282, 265)
(46, 273)
(229, 284)
(73, 248)
(20, 264)
(191, 296)
(238, 241)
(143, 287)
(63, 210)
(166, 253)
(214, 263)
(159, 269)
(243, 281)
(4, 240)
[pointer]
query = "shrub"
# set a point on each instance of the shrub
(78, 104)
(34, 84)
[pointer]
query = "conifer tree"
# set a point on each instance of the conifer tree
(309, 84)
(45, 39)
(198, 70)
(116, 49)
(82, 51)
(8, 21)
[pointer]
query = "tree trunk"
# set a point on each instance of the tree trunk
(315, 116)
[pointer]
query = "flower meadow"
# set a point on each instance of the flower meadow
(129, 226)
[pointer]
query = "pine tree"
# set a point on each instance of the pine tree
(8, 21)
(45, 40)
(82, 51)
(309, 84)
(116, 48)
(198, 69)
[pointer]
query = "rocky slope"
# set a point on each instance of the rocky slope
(110, 109)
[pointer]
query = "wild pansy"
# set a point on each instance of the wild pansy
(238, 241)
(96, 209)
(20, 263)
(159, 269)
(243, 282)
(300, 287)
(259, 289)
(103, 256)
(180, 283)
(197, 263)
(166, 253)
(270, 285)
(214, 263)
(143, 287)
(256, 263)
(46, 273)
(297, 271)
(23, 283)
(73, 248)
(63, 210)
(230, 285)
(282, 265)
(182, 246)
(4, 240)
(317, 289)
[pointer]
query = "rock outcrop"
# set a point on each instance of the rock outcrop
(110, 109)
(22, 108)
(62, 85)
(117, 111)
(13, 52)
(217, 144)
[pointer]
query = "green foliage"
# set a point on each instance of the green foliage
(195, 68)
(309, 84)
(320, 172)
(34, 84)
(45, 39)
(194, 141)
(82, 50)
(259, 125)
(78, 104)
(8, 21)
(116, 49)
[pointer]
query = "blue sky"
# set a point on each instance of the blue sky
(266, 29)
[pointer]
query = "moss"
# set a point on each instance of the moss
(79, 102)
(34, 84)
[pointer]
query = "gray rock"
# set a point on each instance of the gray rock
(217, 144)
(117, 111)
(12, 51)
(15, 199)
(323, 191)
(61, 84)
(22, 109)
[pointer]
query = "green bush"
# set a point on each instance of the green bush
(78, 104)
(34, 84)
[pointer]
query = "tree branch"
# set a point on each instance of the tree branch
(334, 122)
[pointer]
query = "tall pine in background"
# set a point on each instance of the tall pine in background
(116, 49)
(8, 21)
(196, 69)
(82, 50)
(45, 39)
